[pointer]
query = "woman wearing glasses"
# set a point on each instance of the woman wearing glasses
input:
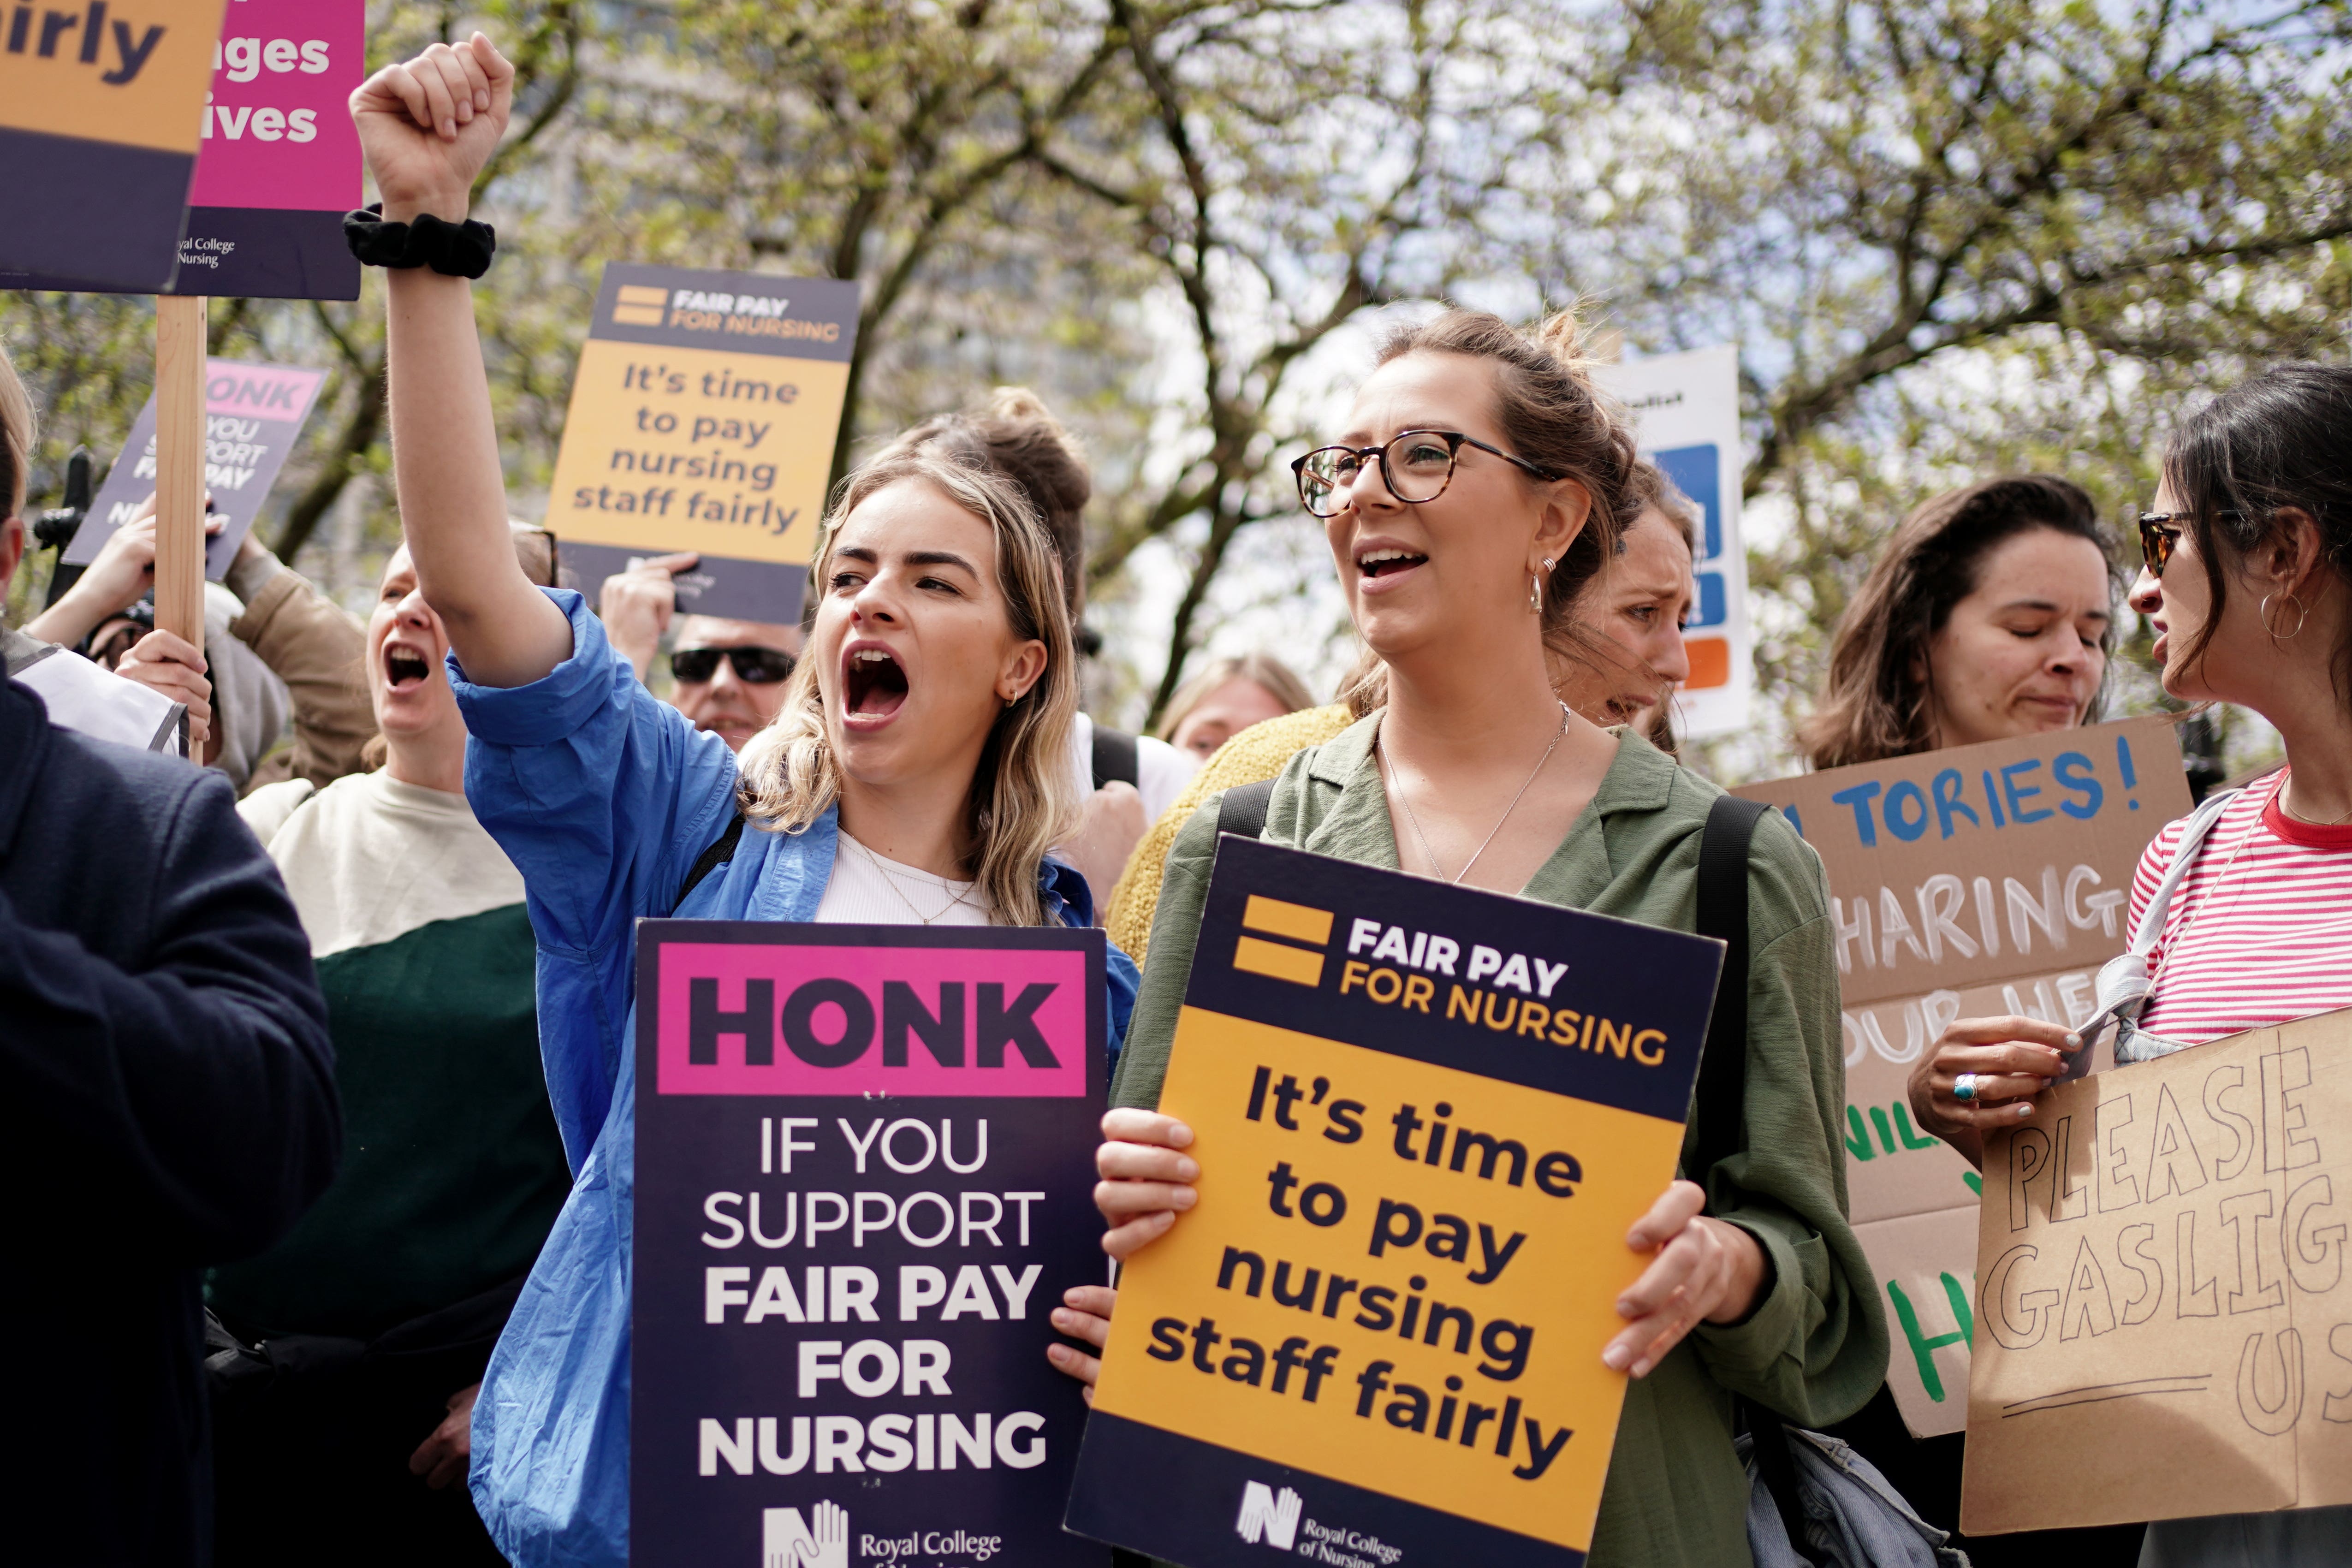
(1481, 483)
(2248, 581)
(916, 774)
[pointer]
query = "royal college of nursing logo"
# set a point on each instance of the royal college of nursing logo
(789, 1540)
(1266, 1516)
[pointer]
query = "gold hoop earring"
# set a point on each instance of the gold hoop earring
(2302, 613)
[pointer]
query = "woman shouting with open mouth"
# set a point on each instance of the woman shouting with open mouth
(916, 774)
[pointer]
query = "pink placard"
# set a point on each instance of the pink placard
(902, 1021)
(278, 125)
(259, 391)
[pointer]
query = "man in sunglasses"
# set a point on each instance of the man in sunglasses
(727, 675)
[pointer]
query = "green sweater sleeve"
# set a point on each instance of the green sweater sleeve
(1815, 1347)
(1175, 931)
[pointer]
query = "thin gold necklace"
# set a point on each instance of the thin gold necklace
(890, 879)
(2306, 821)
(1414, 821)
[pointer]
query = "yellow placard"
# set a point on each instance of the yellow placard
(678, 448)
(133, 73)
(1459, 1369)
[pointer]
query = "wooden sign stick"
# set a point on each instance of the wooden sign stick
(179, 467)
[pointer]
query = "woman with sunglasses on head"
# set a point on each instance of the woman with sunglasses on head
(1481, 483)
(917, 775)
(2248, 581)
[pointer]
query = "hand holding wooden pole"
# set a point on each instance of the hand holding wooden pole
(180, 468)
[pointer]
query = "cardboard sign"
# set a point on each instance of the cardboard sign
(703, 418)
(1972, 881)
(864, 1167)
(1686, 409)
(102, 109)
(253, 415)
(1425, 1117)
(2166, 1318)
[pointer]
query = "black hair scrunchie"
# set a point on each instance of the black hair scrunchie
(452, 249)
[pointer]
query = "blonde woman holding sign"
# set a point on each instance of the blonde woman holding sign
(2241, 912)
(916, 774)
(1481, 482)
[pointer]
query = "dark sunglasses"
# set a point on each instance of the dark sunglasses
(753, 666)
(2160, 531)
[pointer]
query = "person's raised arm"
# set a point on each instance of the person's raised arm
(427, 127)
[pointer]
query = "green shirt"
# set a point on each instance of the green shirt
(1814, 1348)
(452, 1172)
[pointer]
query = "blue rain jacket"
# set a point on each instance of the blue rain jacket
(604, 797)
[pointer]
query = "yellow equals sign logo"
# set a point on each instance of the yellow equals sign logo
(1277, 960)
(639, 306)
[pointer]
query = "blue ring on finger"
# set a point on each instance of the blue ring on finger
(1965, 1087)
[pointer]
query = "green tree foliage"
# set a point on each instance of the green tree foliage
(1950, 237)
(1967, 237)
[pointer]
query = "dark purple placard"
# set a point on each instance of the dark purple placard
(949, 1217)
(253, 417)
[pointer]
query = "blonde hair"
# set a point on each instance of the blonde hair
(1554, 415)
(15, 439)
(1277, 679)
(1023, 799)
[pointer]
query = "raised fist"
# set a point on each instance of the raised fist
(429, 125)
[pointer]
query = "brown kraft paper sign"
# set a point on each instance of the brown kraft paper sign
(2165, 1320)
(1973, 881)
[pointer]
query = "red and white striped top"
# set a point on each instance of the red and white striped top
(2260, 932)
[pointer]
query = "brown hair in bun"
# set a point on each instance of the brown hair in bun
(1553, 415)
(1016, 435)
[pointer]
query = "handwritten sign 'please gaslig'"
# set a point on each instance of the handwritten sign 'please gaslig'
(2164, 1316)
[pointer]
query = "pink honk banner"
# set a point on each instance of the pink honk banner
(734, 1018)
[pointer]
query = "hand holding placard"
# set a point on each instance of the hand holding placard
(1418, 1123)
(2164, 1315)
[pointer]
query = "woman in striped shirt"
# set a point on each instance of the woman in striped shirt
(2248, 582)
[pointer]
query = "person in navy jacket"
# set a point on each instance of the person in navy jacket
(167, 1102)
(917, 773)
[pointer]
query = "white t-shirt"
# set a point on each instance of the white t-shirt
(868, 889)
(1161, 770)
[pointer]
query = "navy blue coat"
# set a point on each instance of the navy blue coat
(167, 1101)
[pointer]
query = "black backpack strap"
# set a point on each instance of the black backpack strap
(1115, 758)
(1723, 915)
(721, 851)
(1242, 809)
(1722, 1091)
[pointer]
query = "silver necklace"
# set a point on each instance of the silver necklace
(890, 879)
(1406, 801)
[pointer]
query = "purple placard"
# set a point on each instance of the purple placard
(842, 1289)
(253, 415)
